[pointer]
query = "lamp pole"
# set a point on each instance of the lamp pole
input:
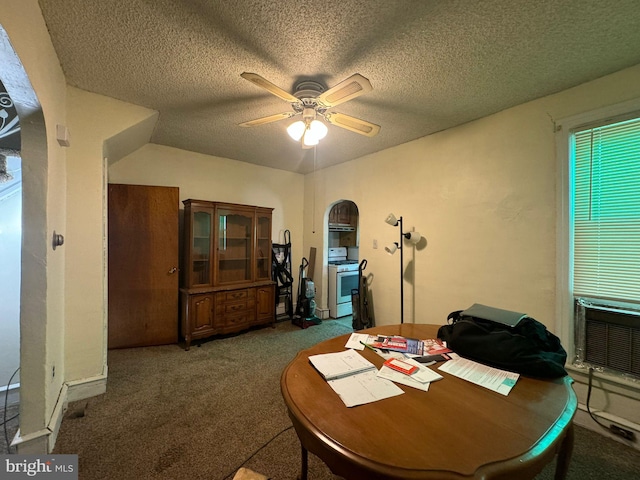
(401, 272)
(413, 237)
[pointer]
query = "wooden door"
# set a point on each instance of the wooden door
(143, 265)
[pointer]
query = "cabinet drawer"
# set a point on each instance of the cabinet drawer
(238, 320)
(236, 307)
(237, 295)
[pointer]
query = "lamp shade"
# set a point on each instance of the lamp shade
(318, 129)
(309, 132)
(391, 249)
(309, 140)
(391, 220)
(296, 129)
(413, 237)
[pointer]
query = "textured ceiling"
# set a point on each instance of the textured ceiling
(432, 64)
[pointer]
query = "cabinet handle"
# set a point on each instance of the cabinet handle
(172, 270)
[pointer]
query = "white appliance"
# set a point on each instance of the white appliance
(343, 277)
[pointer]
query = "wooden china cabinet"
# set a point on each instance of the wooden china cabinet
(227, 284)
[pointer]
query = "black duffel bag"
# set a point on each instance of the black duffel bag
(527, 348)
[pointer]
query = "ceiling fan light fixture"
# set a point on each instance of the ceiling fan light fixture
(309, 133)
(314, 132)
(312, 100)
(309, 140)
(318, 129)
(296, 130)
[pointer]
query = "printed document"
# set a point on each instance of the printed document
(340, 364)
(357, 341)
(494, 379)
(353, 377)
(365, 387)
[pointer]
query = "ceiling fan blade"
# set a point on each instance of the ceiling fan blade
(354, 124)
(269, 87)
(346, 90)
(269, 119)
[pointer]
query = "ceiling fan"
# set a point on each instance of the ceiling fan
(312, 101)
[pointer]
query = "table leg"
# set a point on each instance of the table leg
(564, 455)
(304, 464)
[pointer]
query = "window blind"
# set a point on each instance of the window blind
(606, 223)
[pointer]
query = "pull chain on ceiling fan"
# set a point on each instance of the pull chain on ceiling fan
(311, 101)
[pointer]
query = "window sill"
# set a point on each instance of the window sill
(616, 383)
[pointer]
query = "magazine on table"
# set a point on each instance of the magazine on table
(410, 346)
(399, 344)
(430, 351)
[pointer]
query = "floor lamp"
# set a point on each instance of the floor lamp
(413, 238)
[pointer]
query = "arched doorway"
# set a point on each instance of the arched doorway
(33, 280)
(342, 256)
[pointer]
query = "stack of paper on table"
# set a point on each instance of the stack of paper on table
(340, 364)
(421, 379)
(353, 377)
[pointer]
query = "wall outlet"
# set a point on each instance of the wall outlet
(622, 432)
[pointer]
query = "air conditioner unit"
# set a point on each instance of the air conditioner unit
(608, 336)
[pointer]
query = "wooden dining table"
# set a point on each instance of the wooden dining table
(455, 430)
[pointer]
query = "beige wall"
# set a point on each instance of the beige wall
(219, 179)
(484, 196)
(92, 120)
(29, 64)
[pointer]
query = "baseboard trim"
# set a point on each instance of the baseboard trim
(583, 419)
(13, 395)
(56, 417)
(87, 388)
(33, 443)
(43, 441)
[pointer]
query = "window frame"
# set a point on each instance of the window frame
(564, 218)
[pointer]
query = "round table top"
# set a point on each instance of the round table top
(455, 430)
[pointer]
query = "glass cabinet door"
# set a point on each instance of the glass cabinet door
(263, 246)
(234, 244)
(201, 247)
